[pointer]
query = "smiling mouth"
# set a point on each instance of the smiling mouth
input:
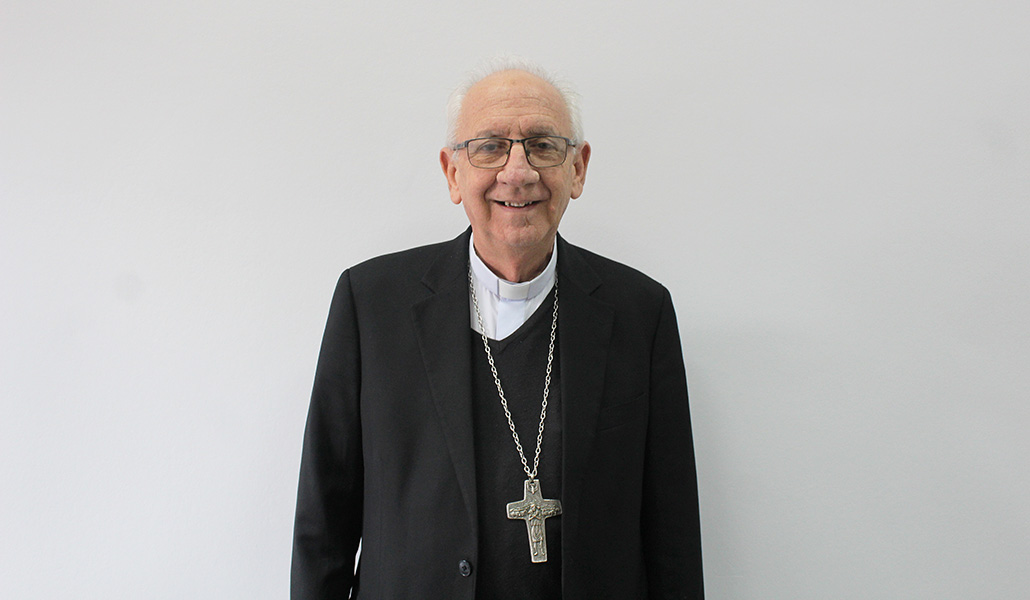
(516, 204)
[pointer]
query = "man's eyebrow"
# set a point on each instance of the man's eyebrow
(541, 130)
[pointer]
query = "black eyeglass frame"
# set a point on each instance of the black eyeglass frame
(511, 142)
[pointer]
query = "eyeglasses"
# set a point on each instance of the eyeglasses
(493, 152)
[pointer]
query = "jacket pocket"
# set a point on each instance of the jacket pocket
(622, 413)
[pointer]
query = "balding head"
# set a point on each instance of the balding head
(569, 97)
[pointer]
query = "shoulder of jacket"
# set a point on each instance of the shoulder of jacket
(618, 275)
(413, 258)
(401, 272)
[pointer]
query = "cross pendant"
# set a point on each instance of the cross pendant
(533, 509)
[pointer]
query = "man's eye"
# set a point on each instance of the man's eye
(544, 145)
(490, 147)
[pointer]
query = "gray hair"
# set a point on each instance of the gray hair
(513, 63)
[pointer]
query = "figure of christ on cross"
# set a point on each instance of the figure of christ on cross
(534, 509)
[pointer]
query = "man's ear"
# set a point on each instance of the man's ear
(579, 165)
(450, 171)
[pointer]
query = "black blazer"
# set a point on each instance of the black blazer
(388, 452)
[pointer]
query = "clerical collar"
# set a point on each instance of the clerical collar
(506, 290)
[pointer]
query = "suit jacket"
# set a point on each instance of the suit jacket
(388, 446)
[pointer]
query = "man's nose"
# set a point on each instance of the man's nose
(517, 171)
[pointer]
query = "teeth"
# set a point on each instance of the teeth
(513, 204)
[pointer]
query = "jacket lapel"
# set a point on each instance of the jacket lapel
(584, 332)
(442, 327)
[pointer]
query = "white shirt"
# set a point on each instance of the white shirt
(504, 305)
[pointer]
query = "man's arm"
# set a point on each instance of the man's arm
(329, 498)
(670, 520)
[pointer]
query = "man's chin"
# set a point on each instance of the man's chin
(529, 238)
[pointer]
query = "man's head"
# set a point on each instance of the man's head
(514, 209)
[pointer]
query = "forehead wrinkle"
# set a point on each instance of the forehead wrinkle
(523, 125)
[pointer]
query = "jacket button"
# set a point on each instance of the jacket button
(465, 568)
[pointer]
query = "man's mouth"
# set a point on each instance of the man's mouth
(516, 204)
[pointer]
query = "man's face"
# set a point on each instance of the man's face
(516, 207)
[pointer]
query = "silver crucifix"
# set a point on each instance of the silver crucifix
(533, 509)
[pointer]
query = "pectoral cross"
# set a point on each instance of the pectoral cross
(533, 509)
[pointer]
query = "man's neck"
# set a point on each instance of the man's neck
(514, 265)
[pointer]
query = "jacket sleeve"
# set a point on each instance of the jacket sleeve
(327, 527)
(671, 525)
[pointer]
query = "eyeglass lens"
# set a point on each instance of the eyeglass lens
(541, 151)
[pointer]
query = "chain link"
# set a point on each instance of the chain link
(500, 391)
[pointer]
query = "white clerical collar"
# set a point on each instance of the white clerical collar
(506, 290)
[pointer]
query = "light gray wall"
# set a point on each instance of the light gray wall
(837, 194)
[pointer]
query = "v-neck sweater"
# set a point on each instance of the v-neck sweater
(504, 569)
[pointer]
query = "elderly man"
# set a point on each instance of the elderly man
(503, 415)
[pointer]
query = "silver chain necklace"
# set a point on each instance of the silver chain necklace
(533, 508)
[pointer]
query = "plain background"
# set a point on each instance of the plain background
(837, 195)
